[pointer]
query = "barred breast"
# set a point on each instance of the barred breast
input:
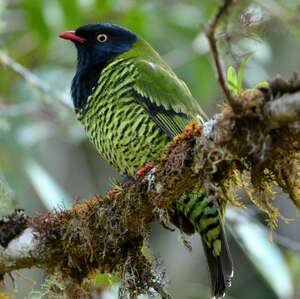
(117, 124)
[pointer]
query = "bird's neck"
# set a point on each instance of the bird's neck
(82, 85)
(87, 75)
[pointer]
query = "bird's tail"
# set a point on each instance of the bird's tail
(220, 268)
(203, 213)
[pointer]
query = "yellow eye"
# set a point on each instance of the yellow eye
(102, 38)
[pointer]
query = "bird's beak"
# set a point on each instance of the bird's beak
(70, 35)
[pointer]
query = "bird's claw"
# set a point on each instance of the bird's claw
(142, 171)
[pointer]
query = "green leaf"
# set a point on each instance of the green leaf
(240, 76)
(51, 194)
(232, 79)
(263, 84)
(265, 255)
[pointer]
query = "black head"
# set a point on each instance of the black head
(97, 45)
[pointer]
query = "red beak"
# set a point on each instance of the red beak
(70, 35)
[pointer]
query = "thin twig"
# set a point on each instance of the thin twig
(21, 109)
(211, 36)
(33, 79)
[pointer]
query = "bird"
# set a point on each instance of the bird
(131, 105)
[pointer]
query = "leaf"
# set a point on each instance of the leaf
(232, 79)
(51, 194)
(264, 255)
(263, 84)
(240, 76)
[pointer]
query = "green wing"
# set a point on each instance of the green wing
(165, 97)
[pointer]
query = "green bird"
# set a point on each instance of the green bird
(131, 105)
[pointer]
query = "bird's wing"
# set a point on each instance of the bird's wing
(165, 97)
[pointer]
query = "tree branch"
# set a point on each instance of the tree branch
(32, 79)
(211, 36)
(284, 111)
(21, 252)
(226, 148)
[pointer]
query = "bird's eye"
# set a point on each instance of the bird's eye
(102, 38)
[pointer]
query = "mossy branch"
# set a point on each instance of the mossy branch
(256, 149)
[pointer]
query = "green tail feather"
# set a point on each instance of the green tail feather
(200, 209)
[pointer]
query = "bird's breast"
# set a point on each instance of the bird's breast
(118, 125)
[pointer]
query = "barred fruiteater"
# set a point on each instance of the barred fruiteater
(131, 105)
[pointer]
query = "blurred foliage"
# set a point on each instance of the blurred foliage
(44, 155)
(6, 198)
(264, 255)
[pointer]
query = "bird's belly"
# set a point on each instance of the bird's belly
(125, 135)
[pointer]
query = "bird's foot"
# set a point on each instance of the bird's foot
(144, 170)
